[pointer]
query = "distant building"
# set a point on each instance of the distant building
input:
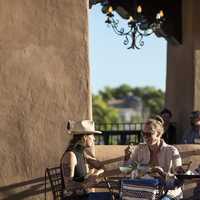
(130, 107)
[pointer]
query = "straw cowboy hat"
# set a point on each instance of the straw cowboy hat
(81, 127)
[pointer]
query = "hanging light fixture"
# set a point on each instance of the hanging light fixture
(138, 26)
(144, 17)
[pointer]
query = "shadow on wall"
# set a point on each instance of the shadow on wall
(24, 189)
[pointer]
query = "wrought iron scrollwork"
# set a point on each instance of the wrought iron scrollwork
(136, 30)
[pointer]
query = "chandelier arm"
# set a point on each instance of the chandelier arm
(126, 40)
(114, 24)
(128, 37)
(121, 32)
(139, 38)
(134, 34)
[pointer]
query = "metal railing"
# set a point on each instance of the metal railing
(119, 133)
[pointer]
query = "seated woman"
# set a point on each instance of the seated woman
(74, 162)
(163, 158)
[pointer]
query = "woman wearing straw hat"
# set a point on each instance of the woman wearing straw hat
(74, 161)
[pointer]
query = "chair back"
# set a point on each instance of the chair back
(140, 189)
(56, 181)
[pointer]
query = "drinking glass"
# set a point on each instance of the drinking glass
(126, 167)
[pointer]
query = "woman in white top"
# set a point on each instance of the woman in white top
(163, 158)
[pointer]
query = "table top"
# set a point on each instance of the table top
(186, 176)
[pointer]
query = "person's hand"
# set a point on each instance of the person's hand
(180, 170)
(98, 172)
(91, 181)
(158, 170)
(128, 151)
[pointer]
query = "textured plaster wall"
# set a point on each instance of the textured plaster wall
(183, 68)
(44, 81)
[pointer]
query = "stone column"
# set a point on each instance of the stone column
(44, 82)
(183, 69)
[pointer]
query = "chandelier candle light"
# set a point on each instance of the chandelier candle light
(138, 25)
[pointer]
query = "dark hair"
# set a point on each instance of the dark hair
(195, 114)
(74, 141)
(165, 110)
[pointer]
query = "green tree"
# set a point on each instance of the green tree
(119, 92)
(102, 113)
(152, 98)
(122, 91)
(106, 93)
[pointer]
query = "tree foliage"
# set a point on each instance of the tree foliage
(102, 113)
(152, 99)
(107, 93)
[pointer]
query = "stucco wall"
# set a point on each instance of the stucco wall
(44, 81)
(183, 68)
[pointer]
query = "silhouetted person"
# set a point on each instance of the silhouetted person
(169, 129)
(192, 136)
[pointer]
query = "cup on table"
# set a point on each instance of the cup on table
(126, 167)
(143, 169)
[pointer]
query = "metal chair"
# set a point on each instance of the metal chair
(57, 186)
(114, 195)
(56, 181)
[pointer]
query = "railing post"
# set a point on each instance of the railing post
(106, 137)
(124, 132)
(123, 138)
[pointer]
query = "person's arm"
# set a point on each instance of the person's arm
(129, 152)
(96, 166)
(94, 163)
(90, 155)
(171, 181)
(176, 165)
(176, 160)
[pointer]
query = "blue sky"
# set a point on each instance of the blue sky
(112, 64)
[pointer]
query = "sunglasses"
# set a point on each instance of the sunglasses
(147, 134)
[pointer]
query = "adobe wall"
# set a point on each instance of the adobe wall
(183, 68)
(44, 81)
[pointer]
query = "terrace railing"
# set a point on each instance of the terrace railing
(119, 133)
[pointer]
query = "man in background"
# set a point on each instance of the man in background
(192, 136)
(169, 129)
